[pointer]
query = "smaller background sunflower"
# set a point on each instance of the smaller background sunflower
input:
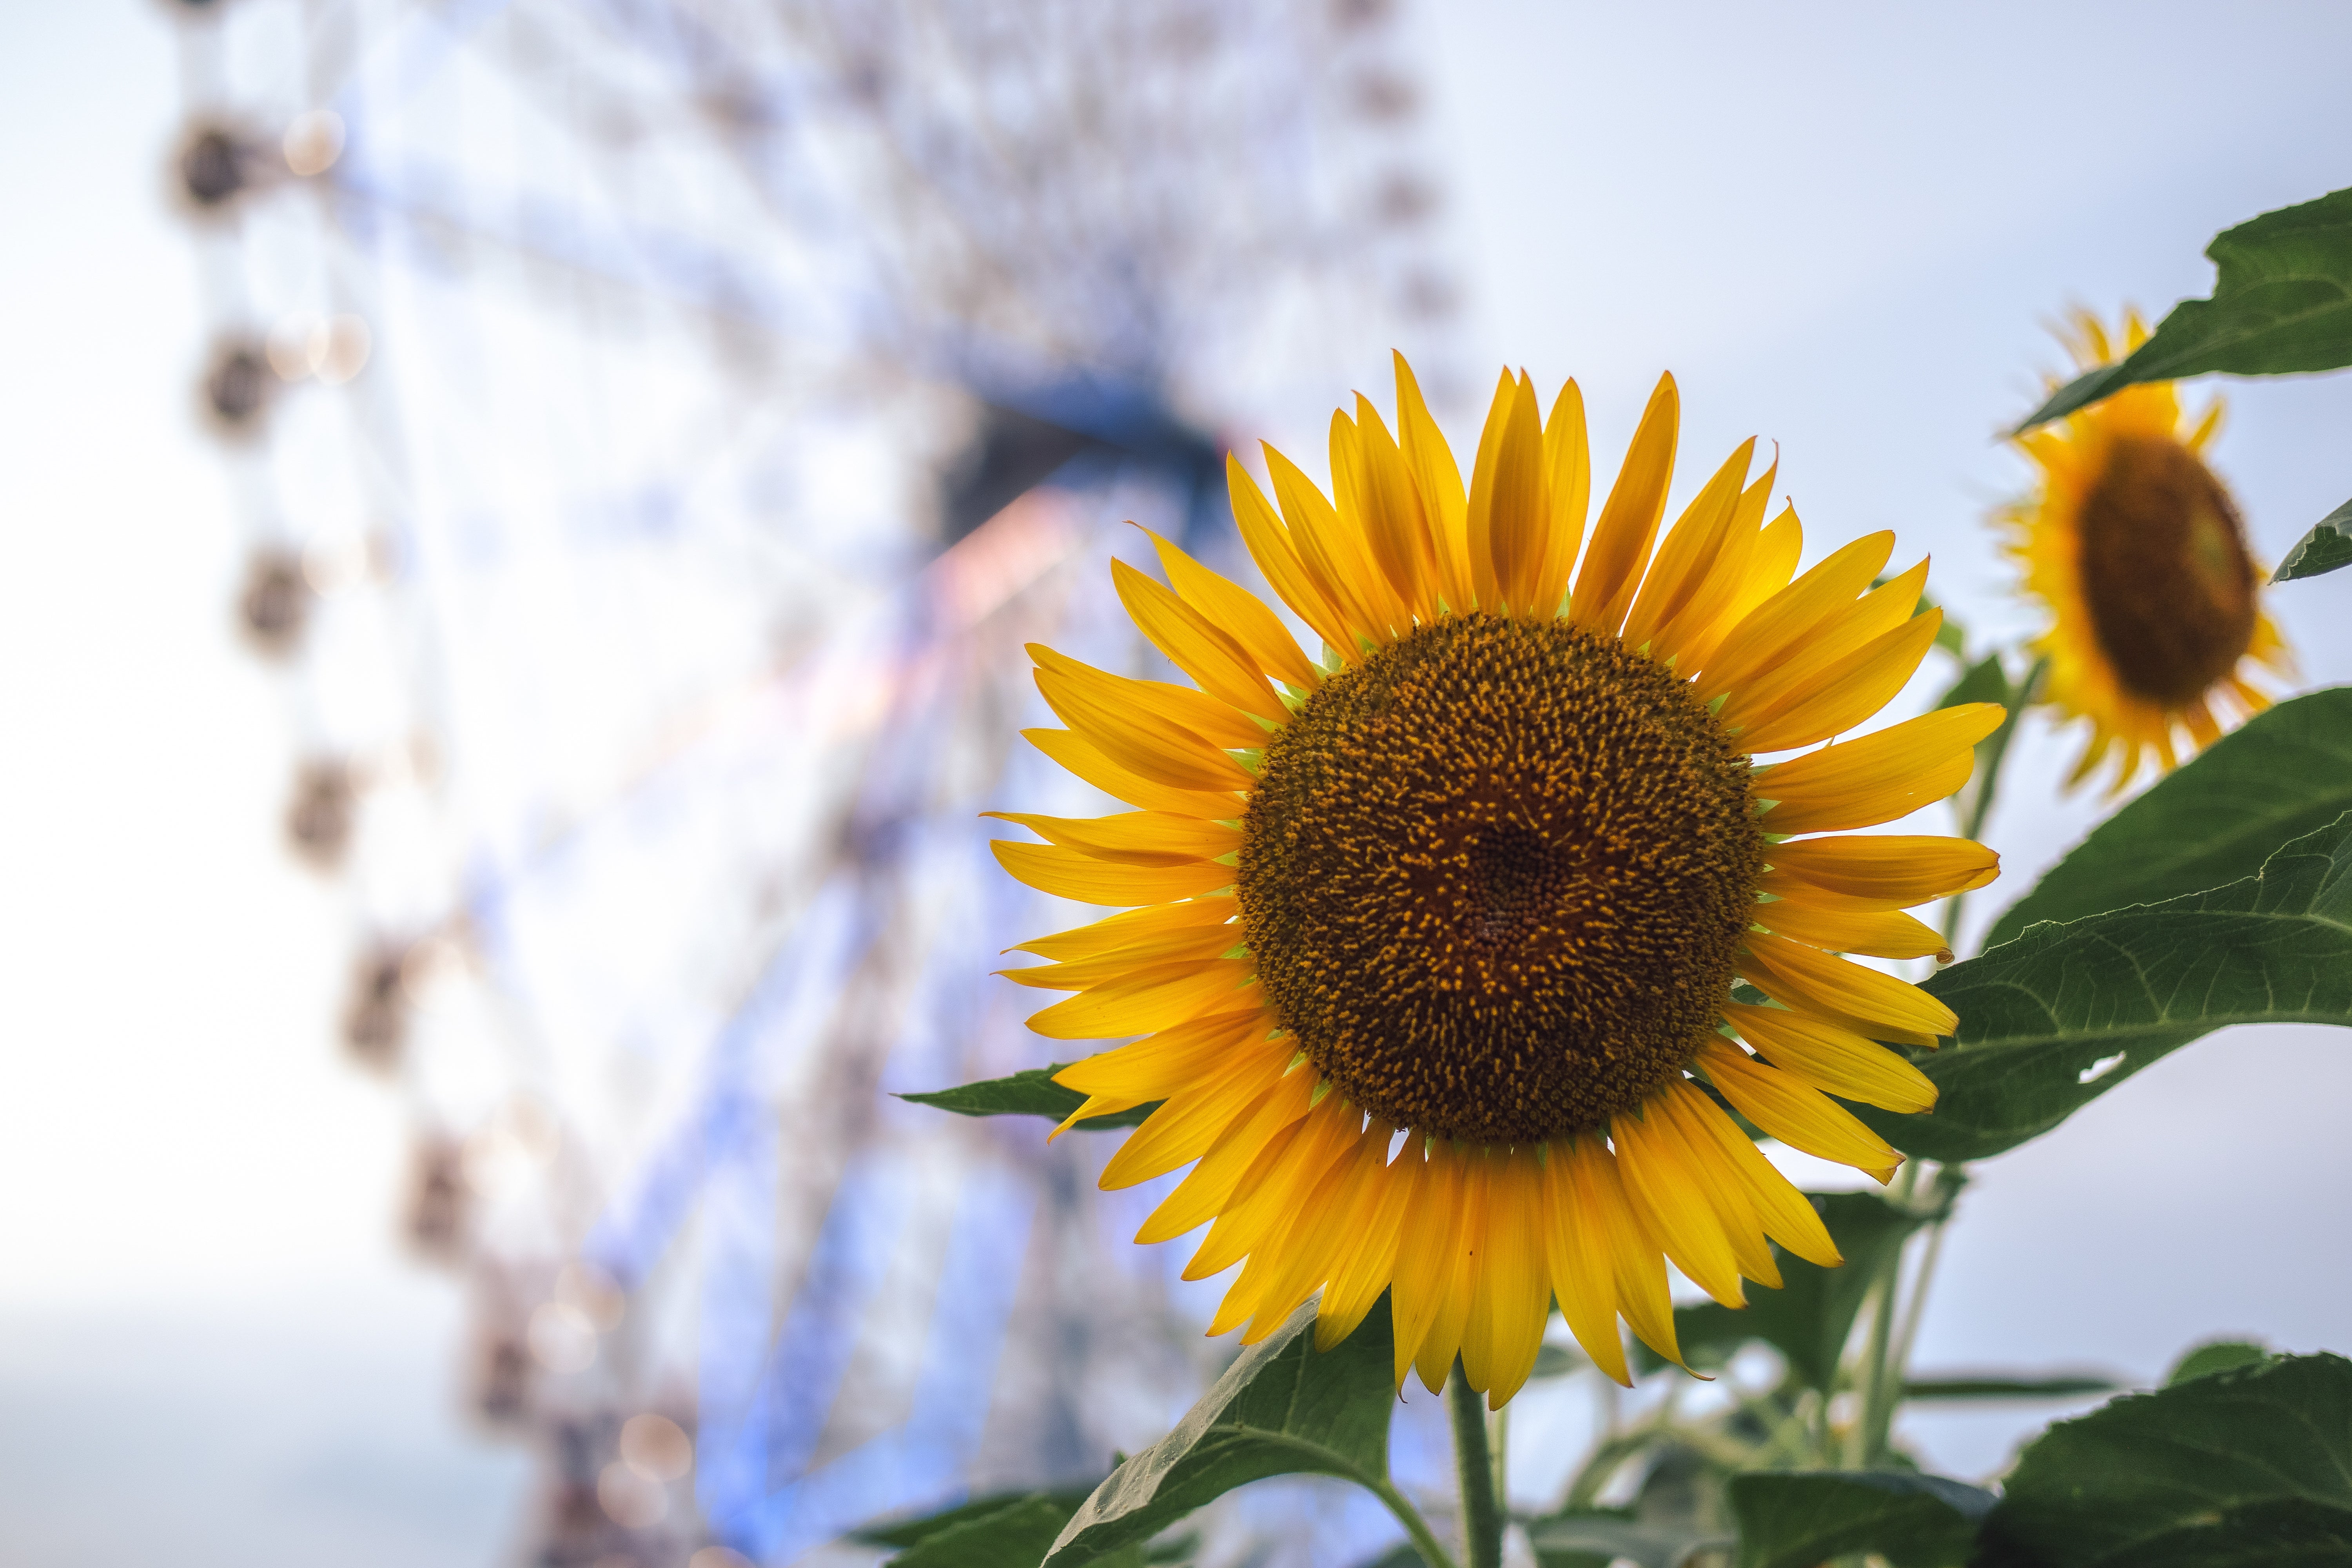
(2137, 551)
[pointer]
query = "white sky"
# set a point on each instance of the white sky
(1841, 227)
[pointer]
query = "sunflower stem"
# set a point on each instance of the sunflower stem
(1425, 1540)
(1880, 1384)
(1482, 1522)
(1991, 752)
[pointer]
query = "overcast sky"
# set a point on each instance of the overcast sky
(1842, 227)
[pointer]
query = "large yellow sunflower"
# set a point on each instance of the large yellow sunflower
(2138, 553)
(1437, 934)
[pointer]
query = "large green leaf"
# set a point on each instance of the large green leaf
(1282, 1408)
(2251, 1468)
(2327, 546)
(2215, 1355)
(1809, 1318)
(2056, 1018)
(2215, 820)
(1594, 1538)
(1030, 1092)
(1796, 1519)
(2282, 302)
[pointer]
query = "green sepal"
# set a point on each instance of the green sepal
(1029, 1092)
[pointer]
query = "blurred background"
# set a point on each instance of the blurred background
(521, 518)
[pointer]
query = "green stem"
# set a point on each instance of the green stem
(1991, 752)
(1425, 1540)
(1877, 1384)
(1482, 1523)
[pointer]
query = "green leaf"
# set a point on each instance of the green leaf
(2282, 302)
(909, 1531)
(1797, 1518)
(2327, 546)
(1030, 1092)
(2286, 772)
(1282, 1408)
(1975, 1388)
(2246, 1467)
(2215, 1355)
(1809, 1318)
(2050, 1021)
(1594, 1538)
(1013, 1534)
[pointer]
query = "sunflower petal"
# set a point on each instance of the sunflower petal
(1568, 474)
(1205, 1189)
(1135, 837)
(1876, 777)
(1519, 1299)
(1439, 480)
(1239, 614)
(1576, 1249)
(1787, 1217)
(1195, 713)
(1892, 870)
(1634, 1256)
(1826, 644)
(1156, 998)
(1629, 520)
(1394, 527)
(1329, 550)
(1837, 1061)
(1510, 511)
(1367, 1258)
(1196, 645)
(1166, 1064)
(1269, 543)
(1082, 757)
(1778, 628)
(1665, 1193)
(1877, 933)
(1864, 1000)
(1115, 932)
(1796, 1113)
(1691, 548)
(1189, 1124)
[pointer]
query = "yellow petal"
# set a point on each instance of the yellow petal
(1715, 1181)
(1184, 1129)
(1836, 1060)
(1851, 691)
(1639, 1269)
(1864, 1000)
(1082, 757)
(1394, 529)
(1368, 1254)
(1722, 593)
(1576, 1251)
(1621, 541)
(1879, 934)
(1075, 874)
(1461, 1248)
(1329, 550)
(1435, 476)
(1424, 1250)
(1672, 1208)
(1115, 932)
(1154, 998)
(1770, 565)
(1141, 739)
(1310, 1252)
(1240, 614)
(1187, 944)
(1195, 713)
(1135, 837)
(1273, 1185)
(1840, 631)
(1782, 1209)
(1270, 545)
(1388, 609)
(1518, 1297)
(1796, 1113)
(1892, 870)
(1475, 1283)
(1568, 474)
(1510, 512)
(1173, 1060)
(1196, 646)
(1876, 777)
(1778, 629)
(1203, 1192)
(1690, 550)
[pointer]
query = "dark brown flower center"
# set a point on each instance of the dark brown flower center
(2165, 570)
(1494, 879)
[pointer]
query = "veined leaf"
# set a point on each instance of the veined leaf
(2217, 819)
(2056, 1018)
(2327, 546)
(2282, 302)
(1797, 1518)
(1029, 1092)
(1809, 1318)
(914, 1531)
(2251, 1468)
(1282, 1408)
(1012, 1535)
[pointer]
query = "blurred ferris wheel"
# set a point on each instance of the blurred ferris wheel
(659, 425)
